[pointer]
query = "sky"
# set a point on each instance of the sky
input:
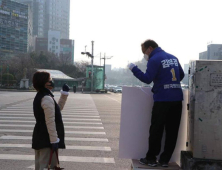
(183, 28)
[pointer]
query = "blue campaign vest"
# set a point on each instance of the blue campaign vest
(164, 70)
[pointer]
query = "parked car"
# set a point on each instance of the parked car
(112, 88)
(117, 90)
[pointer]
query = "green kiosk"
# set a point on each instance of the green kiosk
(98, 79)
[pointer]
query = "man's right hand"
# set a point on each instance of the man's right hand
(131, 65)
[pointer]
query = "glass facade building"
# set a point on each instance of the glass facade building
(15, 27)
(49, 15)
(60, 47)
(57, 17)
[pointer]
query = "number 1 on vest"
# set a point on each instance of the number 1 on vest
(173, 74)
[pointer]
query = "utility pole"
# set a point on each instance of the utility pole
(100, 59)
(104, 71)
(92, 66)
(104, 67)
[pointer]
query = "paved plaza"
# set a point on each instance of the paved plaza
(92, 124)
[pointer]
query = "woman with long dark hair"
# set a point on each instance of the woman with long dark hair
(49, 130)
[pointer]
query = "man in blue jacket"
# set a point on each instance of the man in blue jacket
(164, 70)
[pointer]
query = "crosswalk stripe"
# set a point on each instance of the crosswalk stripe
(63, 113)
(61, 158)
(6, 111)
(16, 114)
(79, 111)
(31, 167)
(67, 132)
(66, 138)
(27, 121)
(62, 118)
(65, 107)
(30, 108)
(74, 127)
(98, 148)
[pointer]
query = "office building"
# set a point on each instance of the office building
(67, 49)
(54, 44)
(186, 71)
(214, 52)
(50, 15)
(108, 68)
(57, 17)
(15, 28)
(186, 68)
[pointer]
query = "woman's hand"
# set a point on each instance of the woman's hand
(55, 146)
(65, 87)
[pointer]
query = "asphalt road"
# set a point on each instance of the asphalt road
(92, 124)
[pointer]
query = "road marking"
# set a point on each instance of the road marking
(80, 113)
(18, 107)
(16, 114)
(30, 111)
(63, 113)
(62, 118)
(15, 111)
(31, 167)
(61, 158)
(67, 132)
(93, 148)
(66, 138)
(27, 121)
(77, 111)
(74, 127)
(30, 108)
(114, 99)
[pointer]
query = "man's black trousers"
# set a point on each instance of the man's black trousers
(165, 115)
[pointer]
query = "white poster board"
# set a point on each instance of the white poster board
(136, 111)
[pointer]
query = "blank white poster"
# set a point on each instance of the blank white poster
(136, 111)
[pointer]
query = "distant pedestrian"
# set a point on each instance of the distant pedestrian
(164, 70)
(49, 129)
(74, 88)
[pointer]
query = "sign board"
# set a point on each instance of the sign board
(136, 111)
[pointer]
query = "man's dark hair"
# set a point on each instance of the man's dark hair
(150, 43)
(40, 78)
